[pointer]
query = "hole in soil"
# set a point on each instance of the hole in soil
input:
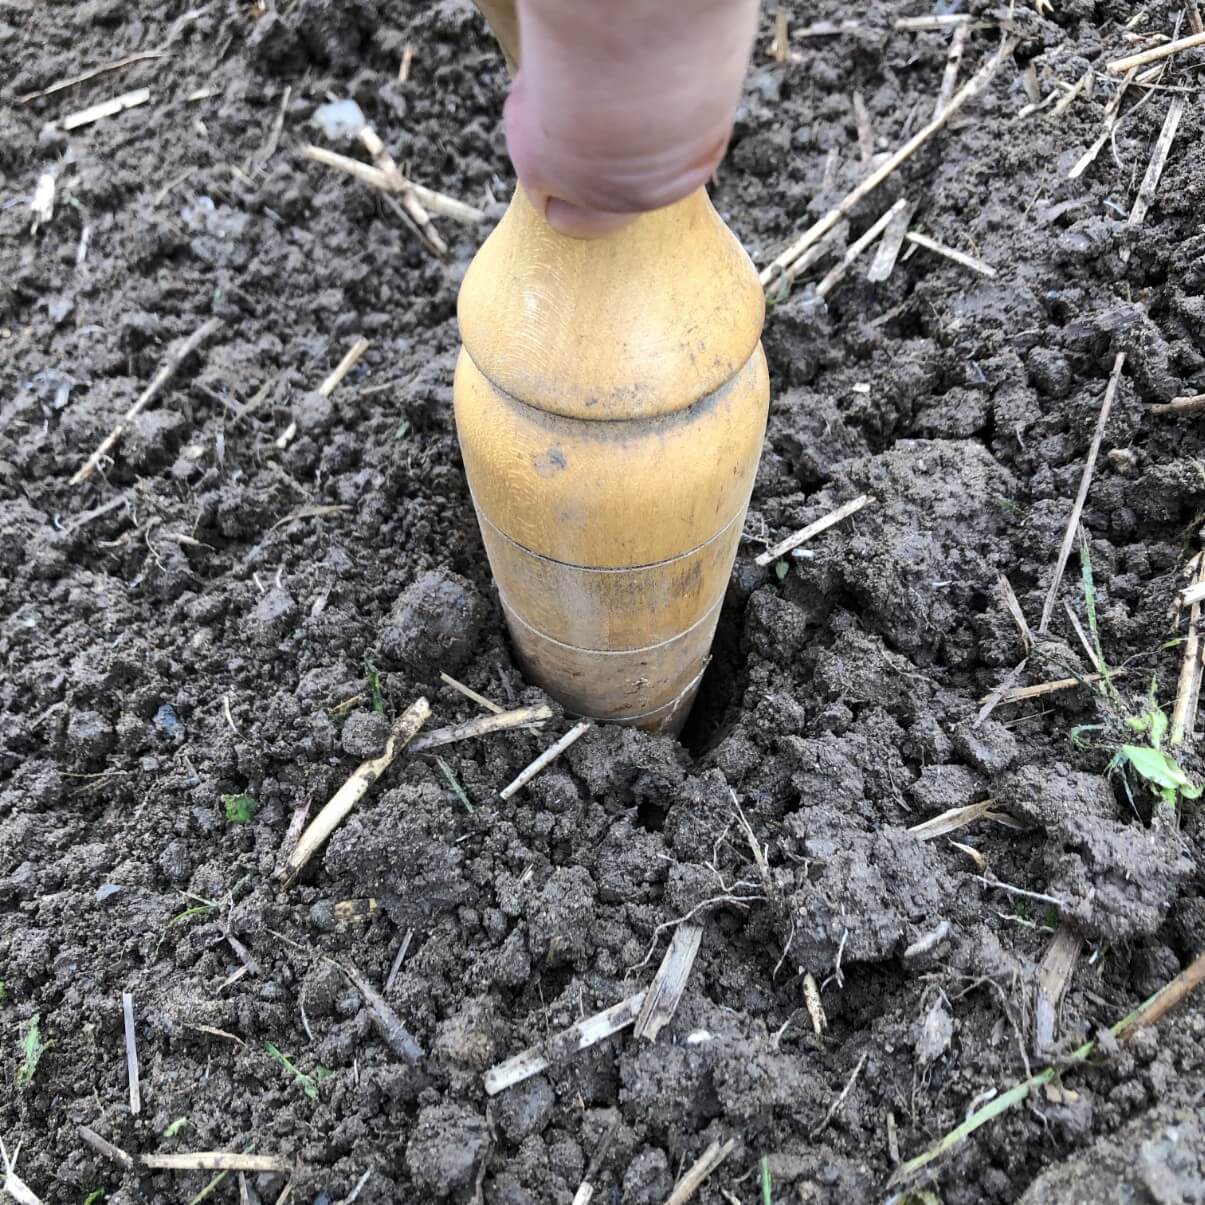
(718, 702)
(651, 816)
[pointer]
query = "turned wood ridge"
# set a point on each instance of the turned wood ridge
(611, 399)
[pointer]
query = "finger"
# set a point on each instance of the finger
(626, 106)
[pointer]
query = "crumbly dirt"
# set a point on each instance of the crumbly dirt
(191, 623)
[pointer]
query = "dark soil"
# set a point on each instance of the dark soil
(181, 626)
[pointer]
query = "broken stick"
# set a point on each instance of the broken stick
(1154, 169)
(854, 250)
(389, 1025)
(813, 529)
(1181, 405)
(480, 726)
(170, 367)
(1081, 497)
(1120, 66)
(127, 1012)
(332, 382)
(585, 1033)
(702, 1167)
(972, 88)
(959, 257)
(1188, 689)
(545, 759)
(354, 789)
(106, 108)
(218, 1161)
(436, 202)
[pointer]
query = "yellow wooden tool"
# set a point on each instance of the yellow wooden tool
(611, 400)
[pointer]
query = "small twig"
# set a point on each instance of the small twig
(813, 529)
(354, 789)
(398, 959)
(1081, 497)
(699, 1171)
(1120, 66)
(410, 203)
(835, 1107)
(403, 69)
(933, 23)
(218, 1161)
(219, 1033)
(105, 1148)
(85, 76)
(436, 202)
(500, 721)
(170, 367)
(1154, 169)
(389, 1025)
(1188, 688)
(959, 257)
(1173, 993)
(127, 1012)
(972, 88)
(1020, 694)
(13, 1184)
(106, 108)
(1112, 109)
(355, 1192)
(1146, 1014)
(780, 46)
(1071, 93)
(578, 1037)
(854, 250)
(1181, 405)
(864, 127)
(545, 759)
(328, 386)
(1020, 892)
(665, 992)
(949, 77)
(469, 693)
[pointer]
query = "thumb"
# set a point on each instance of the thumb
(623, 106)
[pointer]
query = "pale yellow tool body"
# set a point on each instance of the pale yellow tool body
(611, 400)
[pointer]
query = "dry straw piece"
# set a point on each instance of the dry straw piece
(354, 789)
(972, 88)
(170, 367)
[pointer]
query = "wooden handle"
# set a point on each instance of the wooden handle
(504, 21)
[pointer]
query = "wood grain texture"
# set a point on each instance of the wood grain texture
(611, 401)
(645, 321)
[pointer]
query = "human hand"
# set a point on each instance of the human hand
(623, 106)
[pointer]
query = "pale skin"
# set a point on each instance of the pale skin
(623, 106)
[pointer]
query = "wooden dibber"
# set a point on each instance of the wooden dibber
(611, 400)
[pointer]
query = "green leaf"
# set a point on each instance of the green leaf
(32, 1049)
(767, 1188)
(305, 1082)
(1156, 767)
(175, 1127)
(1158, 726)
(240, 808)
(374, 686)
(781, 569)
(97, 1194)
